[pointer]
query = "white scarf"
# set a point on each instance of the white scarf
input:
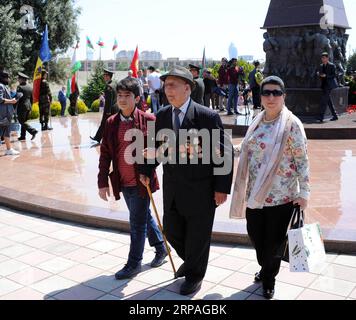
(269, 168)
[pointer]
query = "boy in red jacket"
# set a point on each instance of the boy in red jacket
(125, 177)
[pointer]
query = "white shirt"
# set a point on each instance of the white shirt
(183, 110)
(154, 81)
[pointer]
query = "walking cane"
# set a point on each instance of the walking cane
(161, 229)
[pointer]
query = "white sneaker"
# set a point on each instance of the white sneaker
(11, 152)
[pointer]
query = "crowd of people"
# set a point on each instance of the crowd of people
(225, 92)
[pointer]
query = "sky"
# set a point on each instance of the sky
(181, 28)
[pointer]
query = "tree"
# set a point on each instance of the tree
(10, 42)
(247, 67)
(351, 64)
(58, 70)
(96, 85)
(60, 16)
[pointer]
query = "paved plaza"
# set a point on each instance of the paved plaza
(42, 258)
(45, 258)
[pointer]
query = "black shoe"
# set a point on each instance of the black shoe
(22, 138)
(334, 119)
(319, 120)
(189, 287)
(180, 272)
(229, 114)
(268, 293)
(34, 135)
(127, 272)
(159, 259)
(258, 277)
(238, 113)
(94, 139)
(49, 128)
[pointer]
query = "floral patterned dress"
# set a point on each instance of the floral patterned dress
(292, 178)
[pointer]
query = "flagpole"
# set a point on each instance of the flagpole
(86, 66)
(50, 111)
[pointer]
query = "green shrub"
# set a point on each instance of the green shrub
(95, 86)
(82, 108)
(35, 112)
(55, 108)
(95, 106)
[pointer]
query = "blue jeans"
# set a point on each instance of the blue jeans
(141, 224)
(63, 107)
(233, 96)
(155, 102)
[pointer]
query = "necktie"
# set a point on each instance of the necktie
(176, 123)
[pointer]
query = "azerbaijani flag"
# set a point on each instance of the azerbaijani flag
(75, 66)
(89, 44)
(100, 43)
(134, 64)
(116, 45)
(45, 56)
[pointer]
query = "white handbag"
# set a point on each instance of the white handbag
(306, 249)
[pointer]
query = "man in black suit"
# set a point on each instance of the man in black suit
(327, 74)
(191, 192)
(255, 86)
(110, 107)
(199, 89)
(24, 107)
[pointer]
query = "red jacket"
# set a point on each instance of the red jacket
(223, 78)
(108, 153)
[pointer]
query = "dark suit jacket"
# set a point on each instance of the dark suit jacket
(192, 186)
(331, 82)
(198, 92)
(110, 99)
(25, 103)
(252, 79)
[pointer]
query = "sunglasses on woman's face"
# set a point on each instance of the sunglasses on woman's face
(275, 93)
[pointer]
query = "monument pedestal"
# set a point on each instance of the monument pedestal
(305, 102)
(298, 32)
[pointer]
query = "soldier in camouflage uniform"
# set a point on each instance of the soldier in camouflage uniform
(110, 107)
(45, 101)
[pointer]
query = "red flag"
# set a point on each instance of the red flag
(72, 87)
(134, 64)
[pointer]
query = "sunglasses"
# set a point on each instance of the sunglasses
(275, 93)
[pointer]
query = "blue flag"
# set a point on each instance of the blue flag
(45, 52)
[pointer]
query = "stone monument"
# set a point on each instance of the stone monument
(298, 31)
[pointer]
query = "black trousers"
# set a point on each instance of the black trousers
(99, 134)
(23, 117)
(326, 102)
(190, 236)
(256, 97)
(44, 113)
(267, 228)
